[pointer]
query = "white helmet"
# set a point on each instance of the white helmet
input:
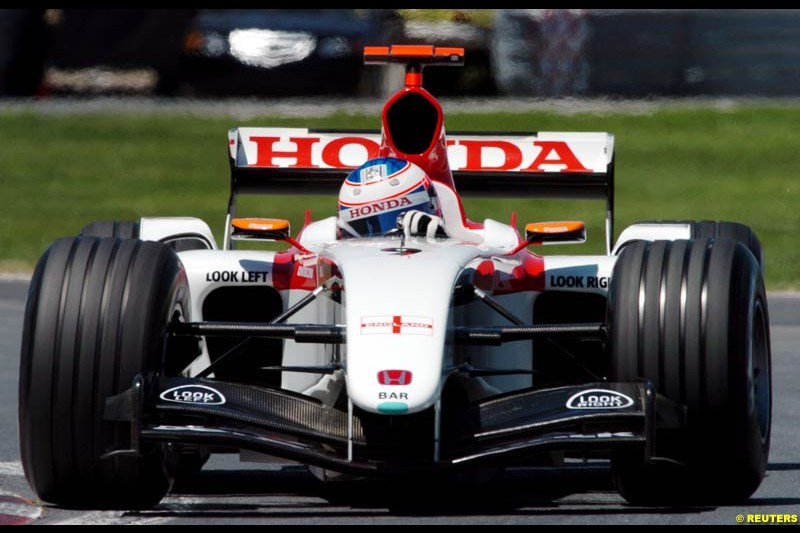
(378, 192)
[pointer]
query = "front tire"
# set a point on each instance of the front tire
(96, 316)
(691, 317)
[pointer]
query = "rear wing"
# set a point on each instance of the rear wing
(543, 164)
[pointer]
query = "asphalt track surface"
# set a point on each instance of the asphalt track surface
(229, 492)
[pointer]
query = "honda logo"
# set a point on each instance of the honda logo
(394, 377)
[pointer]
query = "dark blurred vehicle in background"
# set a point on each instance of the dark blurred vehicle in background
(231, 52)
(539, 53)
(111, 51)
(24, 41)
(289, 52)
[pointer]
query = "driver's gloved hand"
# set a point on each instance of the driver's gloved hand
(421, 224)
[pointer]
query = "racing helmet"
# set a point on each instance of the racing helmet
(378, 192)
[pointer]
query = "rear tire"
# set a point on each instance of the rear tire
(96, 316)
(129, 229)
(123, 229)
(706, 229)
(691, 317)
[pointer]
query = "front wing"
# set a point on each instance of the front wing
(591, 417)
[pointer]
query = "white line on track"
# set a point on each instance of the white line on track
(11, 468)
(114, 518)
(139, 518)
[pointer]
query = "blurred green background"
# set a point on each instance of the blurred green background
(61, 171)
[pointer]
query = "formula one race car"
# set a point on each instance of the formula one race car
(399, 339)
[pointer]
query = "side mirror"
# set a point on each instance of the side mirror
(556, 232)
(263, 229)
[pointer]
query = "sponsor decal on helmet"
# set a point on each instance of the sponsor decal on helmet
(599, 399)
(373, 173)
(193, 394)
(396, 324)
(379, 207)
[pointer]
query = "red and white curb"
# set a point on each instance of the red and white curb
(17, 511)
(14, 509)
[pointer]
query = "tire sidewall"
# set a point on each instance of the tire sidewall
(97, 315)
(703, 360)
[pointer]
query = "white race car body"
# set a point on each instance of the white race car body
(383, 324)
(397, 309)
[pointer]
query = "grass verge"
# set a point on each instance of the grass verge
(59, 172)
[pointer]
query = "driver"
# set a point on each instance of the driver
(386, 195)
